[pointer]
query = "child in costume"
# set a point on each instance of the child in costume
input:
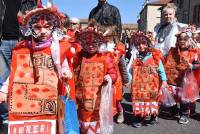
(148, 76)
(117, 49)
(95, 73)
(123, 79)
(180, 64)
(39, 63)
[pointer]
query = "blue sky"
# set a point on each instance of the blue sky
(129, 9)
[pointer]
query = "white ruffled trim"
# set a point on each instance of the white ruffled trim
(63, 70)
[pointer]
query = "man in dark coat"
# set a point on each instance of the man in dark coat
(107, 15)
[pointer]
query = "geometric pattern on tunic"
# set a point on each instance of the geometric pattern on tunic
(145, 88)
(28, 98)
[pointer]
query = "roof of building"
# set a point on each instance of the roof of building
(124, 26)
(130, 26)
(84, 20)
(154, 3)
(158, 2)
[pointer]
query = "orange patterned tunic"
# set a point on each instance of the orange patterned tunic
(30, 100)
(90, 72)
(177, 63)
(145, 86)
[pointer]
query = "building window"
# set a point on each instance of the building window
(158, 14)
(180, 3)
(196, 14)
(185, 16)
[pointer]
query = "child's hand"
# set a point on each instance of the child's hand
(66, 74)
(164, 84)
(107, 78)
(3, 97)
(190, 65)
(72, 50)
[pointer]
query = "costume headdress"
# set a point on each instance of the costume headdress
(138, 38)
(90, 35)
(188, 32)
(49, 13)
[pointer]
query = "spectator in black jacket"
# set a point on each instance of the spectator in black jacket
(107, 15)
(9, 36)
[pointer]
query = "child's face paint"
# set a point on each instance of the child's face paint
(183, 41)
(42, 30)
(90, 43)
(142, 47)
(91, 47)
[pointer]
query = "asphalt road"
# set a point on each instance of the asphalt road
(165, 126)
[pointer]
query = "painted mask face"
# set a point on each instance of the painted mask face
(142, 47)
(183, 41)
(91, 45)
(42, 28)
(90, 42)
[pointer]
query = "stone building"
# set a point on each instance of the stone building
(188, 11)
(125, 26)
(150, 15)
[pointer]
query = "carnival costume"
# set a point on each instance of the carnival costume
(93, 93)
(183, 84)
(38, 67)
(117, 49)
(147, 73)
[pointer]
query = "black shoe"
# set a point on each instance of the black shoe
(153, 120)
(193, 114)
(193, 109)
(168, 113)
(137, 122)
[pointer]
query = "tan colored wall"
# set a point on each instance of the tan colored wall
(153, 17)
(149, 17)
